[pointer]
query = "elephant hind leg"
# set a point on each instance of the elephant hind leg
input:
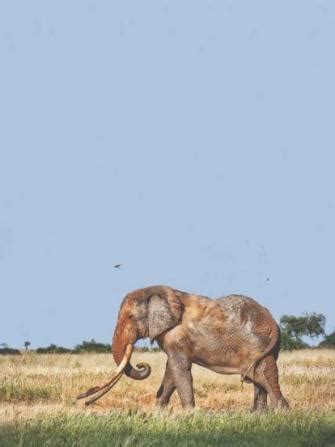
(260, 398)
(266, 375)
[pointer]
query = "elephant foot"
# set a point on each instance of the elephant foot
(260, 406)
(258, 409)
(161, 404)
(189, 408)
(283, 404)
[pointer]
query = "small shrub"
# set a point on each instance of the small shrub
(9, 351)
(329, 341)
(53, 349)
(93, 346)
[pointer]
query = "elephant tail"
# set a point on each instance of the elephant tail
(275, 338)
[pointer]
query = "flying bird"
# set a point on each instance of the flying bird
(117, 266)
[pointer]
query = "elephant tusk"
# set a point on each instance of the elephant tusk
(104, 390)
(126, 358)
(96, 389)
(108, 385)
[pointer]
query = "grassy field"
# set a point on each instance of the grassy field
(38, 406)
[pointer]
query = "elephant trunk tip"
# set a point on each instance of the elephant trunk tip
(142, 371)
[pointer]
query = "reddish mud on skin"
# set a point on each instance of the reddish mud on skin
(229, 335)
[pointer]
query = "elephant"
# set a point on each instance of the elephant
(228, 335)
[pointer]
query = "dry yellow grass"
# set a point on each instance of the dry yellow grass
(33, 384)
(38, 405)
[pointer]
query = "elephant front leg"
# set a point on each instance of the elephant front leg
(180, 367)
(166, 389)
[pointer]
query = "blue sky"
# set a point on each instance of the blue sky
(192, 142)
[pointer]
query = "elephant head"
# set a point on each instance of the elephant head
(144, 313)
(147, 312)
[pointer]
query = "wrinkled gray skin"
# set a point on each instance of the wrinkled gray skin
(230, 335)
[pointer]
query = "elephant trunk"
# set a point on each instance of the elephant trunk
(123, 336)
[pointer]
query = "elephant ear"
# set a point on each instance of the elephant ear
(164, 313)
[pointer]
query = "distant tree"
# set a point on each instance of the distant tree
(9, 351)
(294, 328)
(93, 346)
(27, 344)
(329, 341)
(309, 324)
(290, 343)
(3, 345)
(53, 349)
(147, 349)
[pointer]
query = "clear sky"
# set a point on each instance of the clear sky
(192, 142)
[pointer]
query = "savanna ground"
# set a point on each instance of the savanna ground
(38, 406)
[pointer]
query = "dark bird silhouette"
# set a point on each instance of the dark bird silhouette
(268, 279)
(117, 266)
